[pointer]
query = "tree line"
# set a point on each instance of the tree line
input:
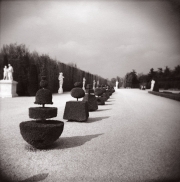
(29, 66)
(167, 78)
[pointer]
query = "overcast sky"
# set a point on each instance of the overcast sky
(108, 38)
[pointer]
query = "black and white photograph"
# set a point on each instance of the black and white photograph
(89, 90)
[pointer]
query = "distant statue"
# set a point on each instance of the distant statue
(10, 72)
(84, 80)
(117, 84)
(98, 83)
(152, 84)
(61, 77)
(94, 85)
(5, 74)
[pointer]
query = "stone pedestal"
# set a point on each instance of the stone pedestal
(8, 88)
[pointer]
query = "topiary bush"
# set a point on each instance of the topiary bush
(78, 84)
(74, 110)
(42, 112)
(41, 133)
(43, 96)
(77, 93)
(98, 92)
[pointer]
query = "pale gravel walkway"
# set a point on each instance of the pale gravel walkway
(134, 137)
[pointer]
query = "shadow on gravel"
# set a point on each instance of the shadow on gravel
(64, 143)
(36, 178)
(107, 104)
(71, 142)
(91, 120)
(102, 110)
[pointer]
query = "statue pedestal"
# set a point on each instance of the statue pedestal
(8, 88)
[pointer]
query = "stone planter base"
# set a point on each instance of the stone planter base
(92, 102)
(41, 133)
(8, 88)
(76, 111)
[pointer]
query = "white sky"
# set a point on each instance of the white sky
(108, 38)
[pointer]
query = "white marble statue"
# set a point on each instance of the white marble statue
(84, 80)
(61, 77)
(117, 84)
(8, 86)
(152, 84)
(5, 74)
(10, 72)
(94, 85)
(98, 83)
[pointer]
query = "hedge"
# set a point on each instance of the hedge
(167, 95)
(28, 69)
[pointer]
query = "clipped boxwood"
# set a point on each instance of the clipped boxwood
(78, 84)
(100, 101)
(98, 92)
(43, 96)
(89, 86)
(90, 91)
(77, 93)
(42, 112)
(76, 111)
(41, 133)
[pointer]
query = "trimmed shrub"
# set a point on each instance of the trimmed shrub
(100, 101)
(77, 93)
(76, 111)
(78, 84)
(92, 102)
(98, 92)
(43, 96)
(89, 86)
(43, 82)
(104, 96)
(41, 133)
(42, 112)
(89, 91)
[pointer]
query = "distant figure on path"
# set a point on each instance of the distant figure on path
(61, 77)
(10, 72)
(152, 84)
(5, 74)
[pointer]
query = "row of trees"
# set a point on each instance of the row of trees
(28, 67)
(166, 78)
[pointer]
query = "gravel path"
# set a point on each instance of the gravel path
(134, 137)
